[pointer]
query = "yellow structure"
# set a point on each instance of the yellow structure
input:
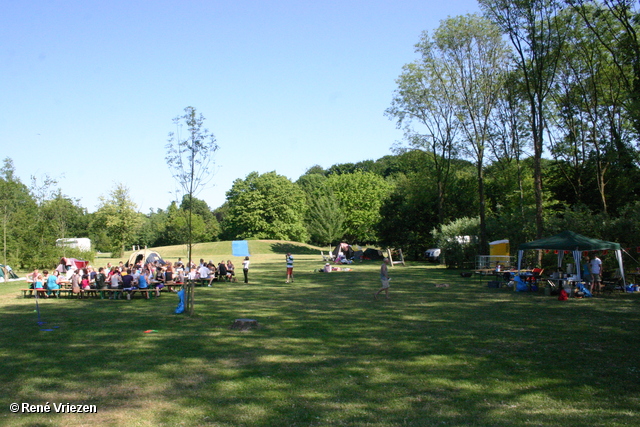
(499, 248)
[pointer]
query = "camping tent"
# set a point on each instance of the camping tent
(576, 243)
(373, 254)
(73, 263)
(343, 249)
(144, 255)
(6, 273)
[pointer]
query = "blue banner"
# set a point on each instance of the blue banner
(240, 248)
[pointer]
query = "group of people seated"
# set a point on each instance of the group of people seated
(209, 272)
(141, 276)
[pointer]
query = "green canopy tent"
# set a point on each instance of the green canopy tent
(574, 242)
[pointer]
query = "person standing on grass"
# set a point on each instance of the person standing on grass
(245, 269)
(384, 277)
(595, 268)
(289, 268)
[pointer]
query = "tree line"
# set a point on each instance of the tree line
(518, 123)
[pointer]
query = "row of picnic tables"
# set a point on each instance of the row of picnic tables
(65, 289)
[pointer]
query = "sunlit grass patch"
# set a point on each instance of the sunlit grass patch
(326, 353)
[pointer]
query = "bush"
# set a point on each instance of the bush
(457, 251)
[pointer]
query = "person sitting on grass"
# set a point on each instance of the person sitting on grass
(222, 271)
(231, 273)
(53, 282)
(75, 283)
(179, 280)
(101, 279)
(38, 283)
(84, 281)
(193, 274)
(116, 283)
(204, 272)
(168, 274)
(212, 273)
(158, 280)
(141, 284)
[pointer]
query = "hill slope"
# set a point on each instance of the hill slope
(222, 250)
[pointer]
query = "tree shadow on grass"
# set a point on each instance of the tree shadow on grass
(329, 355)
(284, 248)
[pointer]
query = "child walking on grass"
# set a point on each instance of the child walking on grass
(384, 277)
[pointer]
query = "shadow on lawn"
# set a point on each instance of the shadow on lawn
(284, 248)
(329, 355)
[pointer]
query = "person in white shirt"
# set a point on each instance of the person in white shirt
(245, 269)
(289, 259)
(204, 272)
(595, 269)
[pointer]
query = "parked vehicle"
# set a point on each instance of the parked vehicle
(432, 255)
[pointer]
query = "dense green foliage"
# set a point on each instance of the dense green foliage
(267, 206)
(506, 135)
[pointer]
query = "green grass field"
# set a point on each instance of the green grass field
(326, 353)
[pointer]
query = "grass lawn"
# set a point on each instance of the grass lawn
(326, 354)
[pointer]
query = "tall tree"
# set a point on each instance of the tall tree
(475, 59)
(535, 31)
(66, 218)
(267, 206)
(510, 143)
(422, 106)
(360, 195)
(592, 131)
(615, 25)
(17, 208)
(190, 159)
(200, 208)
(119, 217)
(324, 219)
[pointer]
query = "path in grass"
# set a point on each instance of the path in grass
(327, 354)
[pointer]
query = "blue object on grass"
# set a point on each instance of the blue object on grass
(180, 308)
(521, 286)
(240, 248)
(584, 290)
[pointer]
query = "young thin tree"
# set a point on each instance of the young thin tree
(190, 160)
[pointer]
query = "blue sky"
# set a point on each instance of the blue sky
(90, 88)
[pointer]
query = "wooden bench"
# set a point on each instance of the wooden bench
(42, 293)
(102, 293)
